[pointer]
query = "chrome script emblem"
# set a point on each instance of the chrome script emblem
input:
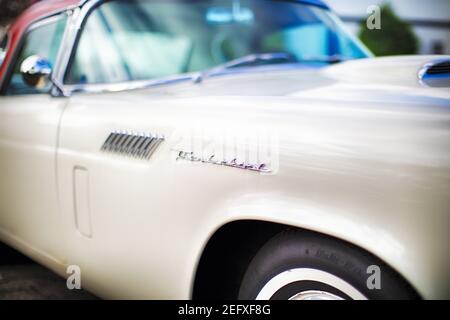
(189, 156)
(236, 146)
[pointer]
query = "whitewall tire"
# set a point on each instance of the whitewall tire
(301, 265)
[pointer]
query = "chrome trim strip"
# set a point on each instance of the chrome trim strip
(63, 54)
(45, 21)
(193, 76)
(128, 85)
(7, 34)
(73, 29)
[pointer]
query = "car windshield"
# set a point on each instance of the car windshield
(139, 40)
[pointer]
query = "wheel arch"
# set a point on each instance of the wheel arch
(230, 249)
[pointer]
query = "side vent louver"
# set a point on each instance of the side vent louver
(138, 145)
(436, 74)
(439, 68)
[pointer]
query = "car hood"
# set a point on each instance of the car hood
(392, 79)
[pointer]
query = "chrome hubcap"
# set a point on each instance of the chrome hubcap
(292, 276)
(315, 295)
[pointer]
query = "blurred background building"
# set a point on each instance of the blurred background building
(430, 19)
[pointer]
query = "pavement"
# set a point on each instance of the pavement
(23, 279)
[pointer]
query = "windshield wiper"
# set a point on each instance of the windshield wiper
(248, 60)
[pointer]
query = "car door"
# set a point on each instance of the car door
(29, 120)
(111, 196)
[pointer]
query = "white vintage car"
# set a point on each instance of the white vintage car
(223, 149)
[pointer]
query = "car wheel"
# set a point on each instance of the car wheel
(299, 265)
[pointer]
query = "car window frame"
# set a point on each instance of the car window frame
(51, 18)
(68, 89)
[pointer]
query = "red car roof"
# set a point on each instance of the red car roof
(35, 12)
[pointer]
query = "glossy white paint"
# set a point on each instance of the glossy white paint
(363, 155)
(29, 212)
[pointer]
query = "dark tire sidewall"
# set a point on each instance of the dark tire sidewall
(293, 249)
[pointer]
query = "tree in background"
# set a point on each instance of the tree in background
(9, 10)
(394, 38)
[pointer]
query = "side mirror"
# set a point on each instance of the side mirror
(36, 71)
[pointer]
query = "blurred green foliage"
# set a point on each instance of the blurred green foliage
(396, 37)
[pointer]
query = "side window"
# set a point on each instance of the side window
(97, 58)
(44, 41)
(118, 42)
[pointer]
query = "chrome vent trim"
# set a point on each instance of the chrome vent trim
(137, 145)
(439, 68)
(436, 73)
